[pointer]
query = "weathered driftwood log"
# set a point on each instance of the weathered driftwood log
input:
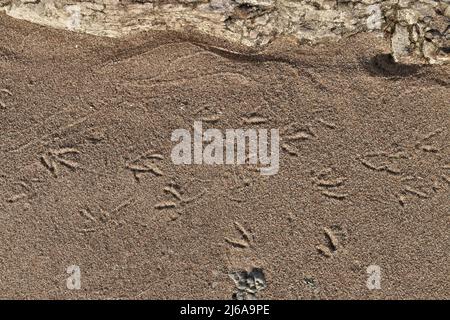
(418, 30)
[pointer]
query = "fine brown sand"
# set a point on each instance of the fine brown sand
(367, 184)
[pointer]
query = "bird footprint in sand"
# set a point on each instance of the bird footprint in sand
(330, 184)
(384, 162)
(245, 239)
(176, 199)
(334, 245)
(145, 164)
(54, 158)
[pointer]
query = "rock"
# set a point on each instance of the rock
(248, 284)
(418, 30)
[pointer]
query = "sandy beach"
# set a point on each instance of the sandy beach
(87, 180)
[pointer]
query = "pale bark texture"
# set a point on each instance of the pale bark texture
(418, 30)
